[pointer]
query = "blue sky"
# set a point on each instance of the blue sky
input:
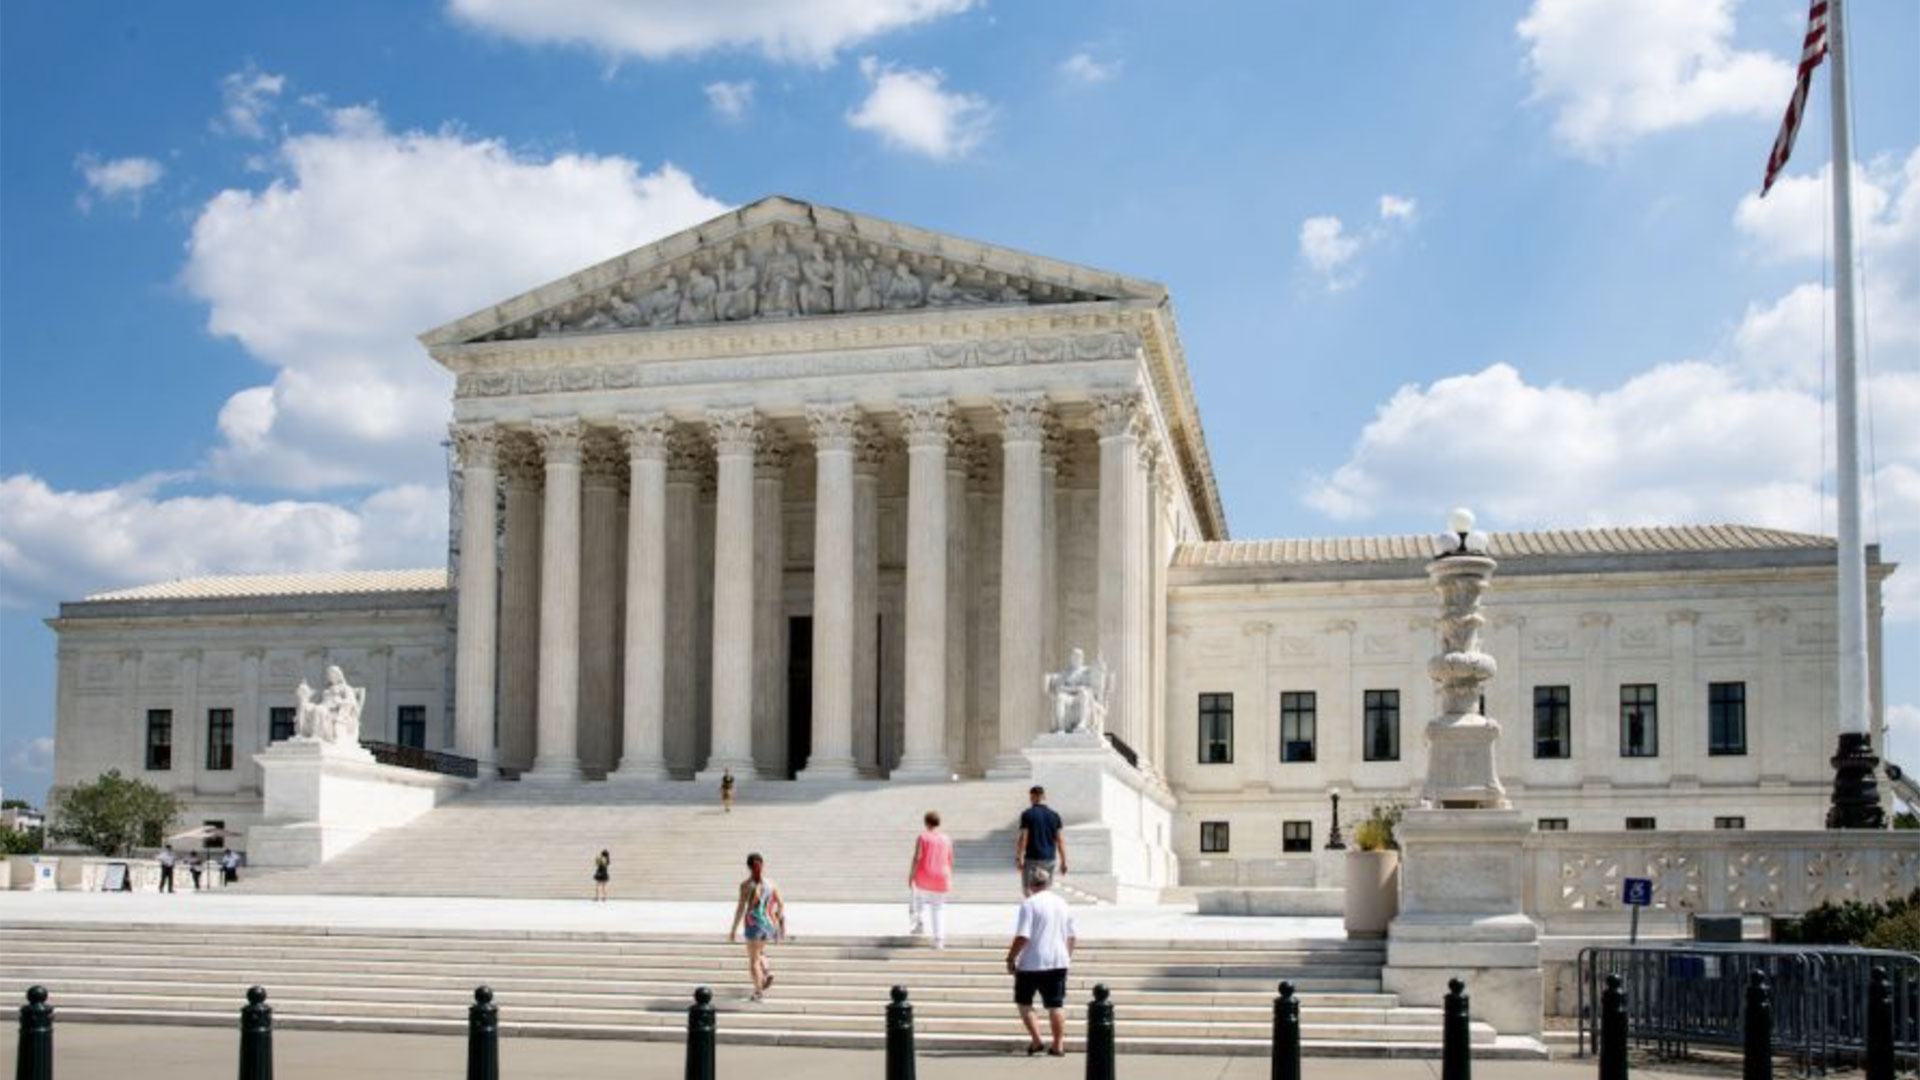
(1503, 254)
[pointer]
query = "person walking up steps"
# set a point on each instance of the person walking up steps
(1041, 842)
(602, 867)
(1038, 959)
(929, 879)
(726, 792)
(765, 916)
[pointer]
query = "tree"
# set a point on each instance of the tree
(14, 804)
(20, 841)
(113, 814)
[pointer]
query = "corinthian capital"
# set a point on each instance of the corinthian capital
(1119, 413)
(926, 421)
(560, 438)
(736, 432)
(645, 434)
(1023, 417)
(833, 426)
(772, 455)
(602, 460)
(476, 445)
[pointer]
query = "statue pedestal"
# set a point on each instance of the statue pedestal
(1461, 875)
(1119, 823)
(323, 798)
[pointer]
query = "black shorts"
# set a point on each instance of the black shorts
(1050, 985)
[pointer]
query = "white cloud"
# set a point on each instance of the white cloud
(808, 31)
(1331, 252)
(1616, 70)
(60, 545)
(365, 238)
(118, 180)
(1084, 67)
(247, 98)
(908, 108)
(730, 100)
(31, 756)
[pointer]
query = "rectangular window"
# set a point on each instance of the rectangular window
(1726, 719)
(1553, 721)
(1298, 712)
(1639, 720)
(1296, 836)
(412, 728)
(279, 723)
(1551, 824)
(1382, 722)
(1640, 824)
(216, 834)
(159, 739)
(219, 739)
(1216, 729)
(1213, 837)
(1729, 823)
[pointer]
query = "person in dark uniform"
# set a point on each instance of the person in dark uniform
(602, 875)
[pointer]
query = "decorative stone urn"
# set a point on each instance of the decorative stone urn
(1372, 892)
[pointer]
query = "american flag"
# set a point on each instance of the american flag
(1811, 53)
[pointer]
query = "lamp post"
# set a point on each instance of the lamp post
(1334, 843)
(1460, 769)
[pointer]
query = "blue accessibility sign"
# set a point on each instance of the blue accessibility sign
(1636, 892)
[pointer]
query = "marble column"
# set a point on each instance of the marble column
(736, 435)
(556, 750)
(1121, 419)
(379, 722)
(686, 463)
(965, 459)
(1686, 743)
(835, 631)
(478, 448)
(769, 607)
(250, 726)
(869, 453)
(189, 727)
(1159, 552)
(1597, 722)
(1023, 621)
(643, 753)
(519, 629)
(927, 424)
(1053, 454)
(136, 724)
(602, 465)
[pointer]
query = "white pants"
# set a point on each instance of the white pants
(930, 907)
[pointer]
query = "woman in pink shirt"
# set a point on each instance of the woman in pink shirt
(929, 878)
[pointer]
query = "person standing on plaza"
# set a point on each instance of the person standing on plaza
(726, 792)
(602, 874)
(229, 867)
(929, 878)
(1038, 959)
(1042, 841)
(193, 869)
(764, 914)
(165, 859)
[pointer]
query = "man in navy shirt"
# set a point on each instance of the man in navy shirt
(1042, 842)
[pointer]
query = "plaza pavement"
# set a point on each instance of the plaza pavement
(102, 1051)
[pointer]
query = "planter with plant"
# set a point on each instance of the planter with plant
(1373, 874)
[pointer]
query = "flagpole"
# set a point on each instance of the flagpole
(1856, 802)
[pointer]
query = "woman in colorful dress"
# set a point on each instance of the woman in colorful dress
(765, 917)
(929, 877)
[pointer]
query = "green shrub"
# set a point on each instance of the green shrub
(1375, 831)
(1847, 923)
(1900, 932)
(114, 814)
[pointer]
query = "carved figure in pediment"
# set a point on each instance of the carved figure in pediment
(598, 318)
(868, 281)
(780, 280)
(817, 284)
(662, 305)
(739, 291)
(625, 312)
(943, 293)
(698, 302)
(904, 289)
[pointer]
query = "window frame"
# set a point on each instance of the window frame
(1647, 699)
(1652, 824)
(275, 714)
(410, 715)
(1291, 844)
(1213, 711)
(219, 740)
(1550, 824)
(1383, 707)
(159, 722)
(1730, 823)
(1216, 837)
(1296, 715)
(1721, 714)
(1558, 701)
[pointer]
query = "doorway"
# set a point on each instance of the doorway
(799, 693)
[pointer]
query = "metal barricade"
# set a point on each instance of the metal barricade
(1684, 994)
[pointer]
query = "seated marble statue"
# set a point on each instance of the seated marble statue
(1080, 695)
(333, 716)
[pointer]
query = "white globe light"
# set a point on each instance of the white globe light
(1460, 521)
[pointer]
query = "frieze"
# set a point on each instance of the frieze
(1726, 634)
(100, 671)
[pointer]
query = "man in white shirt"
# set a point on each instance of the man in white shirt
(1042, 950)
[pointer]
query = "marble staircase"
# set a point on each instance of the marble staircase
(1173, 997)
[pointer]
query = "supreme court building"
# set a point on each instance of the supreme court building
(803, 494)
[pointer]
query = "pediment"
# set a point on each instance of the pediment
(781, 259)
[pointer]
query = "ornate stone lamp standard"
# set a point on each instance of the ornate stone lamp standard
(1462, 850)
(1334, 841)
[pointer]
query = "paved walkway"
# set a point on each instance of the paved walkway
(989, 922)
(89, 1051)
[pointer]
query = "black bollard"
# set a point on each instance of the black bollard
(1880, 1026)
(1613, 1031)
(701, 1030)
(1286, 1034)
(256, 1036)
(1100, 1063)
(35, 1060)
(1757, 1057)
(899, 1036)
(483, 1036)
(1456, 1050)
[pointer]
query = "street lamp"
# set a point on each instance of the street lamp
(1334, 843)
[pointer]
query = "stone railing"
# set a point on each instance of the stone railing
(414, 757)
(1573, 880)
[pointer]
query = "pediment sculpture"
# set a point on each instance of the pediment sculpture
(1080, 694)
(786, 272)
(332, 716)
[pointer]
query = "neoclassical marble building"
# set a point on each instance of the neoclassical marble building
(803, 494)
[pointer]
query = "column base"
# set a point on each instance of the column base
(934, 768)
(742, 768)
(1856, 794)
(1010, 765)
(552, 770)
(842, 768)
(638, 772)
